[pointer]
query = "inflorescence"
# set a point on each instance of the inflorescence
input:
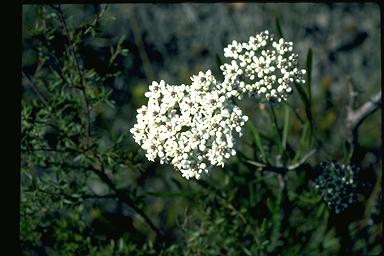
(338, 184)
(195, 127)
(263, 67)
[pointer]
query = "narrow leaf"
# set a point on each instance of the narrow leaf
(219, 62)
(278, 28)
(285, 128)
(121, 40)
(309, 74)
(257, 140)
(275, 124)
(304, 142)
(307, 105)
(295, 112)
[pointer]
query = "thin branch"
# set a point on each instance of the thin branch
(98, 170)
(206, 185)
(302, 161)
(359, 115)
(267, 167)
(140, 45)
(128, 201)
(97, 18)
(124, 198)
(257, 164)
(78, 67)
(355, 117)
(67, 150)
(282, 200)
(66, 196)
(281, 170)
(46, 150)
(242, 218)
(118, 193)
(36, 90)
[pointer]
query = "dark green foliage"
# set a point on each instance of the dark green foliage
(86, 188)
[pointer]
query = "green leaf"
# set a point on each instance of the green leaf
(275, 124)
(276, 216)
(219, 62)
(124, 52)
(270, 205)
(309, 74)
(115, 52)
(307, 104)
(294, 111)
(306, 97)
(79, 158)
(304, 139)
(278, 28)
(285, 128)
(304, 142)
(120, 244)
(257, 141)
(110, 103)
(320, 211)
(246, 251)
(121, 40)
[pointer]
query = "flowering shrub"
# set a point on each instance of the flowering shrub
(86, 189)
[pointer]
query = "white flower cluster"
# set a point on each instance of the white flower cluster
(262, 67)
(193, 127)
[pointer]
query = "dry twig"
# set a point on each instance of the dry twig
(355, 117)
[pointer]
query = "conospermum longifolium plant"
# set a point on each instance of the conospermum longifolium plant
(338, 184)
(195, 127)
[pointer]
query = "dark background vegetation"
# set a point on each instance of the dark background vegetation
(87, 189)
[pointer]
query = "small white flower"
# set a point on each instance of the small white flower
(233, 50)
